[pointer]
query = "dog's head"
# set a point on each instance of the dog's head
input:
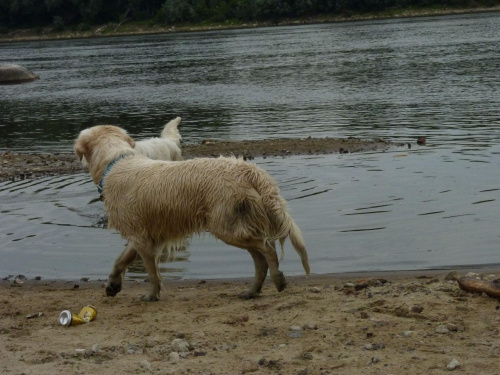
(99, 139)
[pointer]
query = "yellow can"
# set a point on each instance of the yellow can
(87, 314)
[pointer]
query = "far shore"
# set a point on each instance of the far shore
(145, 28)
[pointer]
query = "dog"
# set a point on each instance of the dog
(167, 147)
(155, 203)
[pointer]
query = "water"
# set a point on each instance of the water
(434, 206)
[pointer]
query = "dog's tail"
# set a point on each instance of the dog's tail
(171, 132)
(282, 223)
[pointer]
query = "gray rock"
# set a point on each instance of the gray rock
(13, 74)
(180, 346)
(146, 365)
(295, 334)
(174, 357)
(454, 364)
(442, 329)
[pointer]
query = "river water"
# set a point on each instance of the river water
(433, 206)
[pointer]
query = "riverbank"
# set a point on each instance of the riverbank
(149, 27)
(381, 323)
(15, 165)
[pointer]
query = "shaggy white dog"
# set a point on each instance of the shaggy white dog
(165, 148)
(156, 203)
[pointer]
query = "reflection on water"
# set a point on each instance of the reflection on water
(376, 211)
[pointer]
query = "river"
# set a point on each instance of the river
(433, 206)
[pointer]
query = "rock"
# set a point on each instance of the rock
(374, 360)
(473, 275)
(310, 326)
(95, 349)
(295, 328)
(174, 357)
(442, 329)
(146, 365)
(295, 334)
(451, 327)
(181, 346)
(364, 315)
(13, 74)
(407, 333)
(417, 309)
(315, 289)
(453, 275)
(379, 323)
(453, 365)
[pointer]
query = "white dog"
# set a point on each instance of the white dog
(156, 203)
(165, 148)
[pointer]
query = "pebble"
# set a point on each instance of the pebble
(407, 333)
(417, 309)
(315, 289)
(379, 323)
(349, 285)
(295, 328)
(453, 275)
(442, 329)
(180, 346)
(295, 334)
(174, 357)
(146, 364)
(453, 365)
(310, 326)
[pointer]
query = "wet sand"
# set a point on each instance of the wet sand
(14, 165)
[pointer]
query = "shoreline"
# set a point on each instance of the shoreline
(31, 165)
(142, 28)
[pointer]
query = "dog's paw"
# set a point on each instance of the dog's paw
(248, 295)
(113, 289)
(280, 282)
(148, 298)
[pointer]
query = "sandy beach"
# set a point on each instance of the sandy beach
(385, 323)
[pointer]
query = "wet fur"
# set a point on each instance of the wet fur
(167, 147)
(155, 203)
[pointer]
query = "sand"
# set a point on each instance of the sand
(385, 323)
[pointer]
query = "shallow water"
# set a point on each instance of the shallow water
(400, 210)
(423, 207)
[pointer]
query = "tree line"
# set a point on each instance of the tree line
(81, 14)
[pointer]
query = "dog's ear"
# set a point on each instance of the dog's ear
(81, 147)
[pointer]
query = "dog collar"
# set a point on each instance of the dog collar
(110, 165)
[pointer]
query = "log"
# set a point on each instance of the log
(469, 284)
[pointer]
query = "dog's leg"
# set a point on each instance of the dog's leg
(115, 278)
(260, 263)
(148, 255)
(273, 264)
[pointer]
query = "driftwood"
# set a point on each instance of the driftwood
(491, 288)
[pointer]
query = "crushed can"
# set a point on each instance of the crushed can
(87, 314)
